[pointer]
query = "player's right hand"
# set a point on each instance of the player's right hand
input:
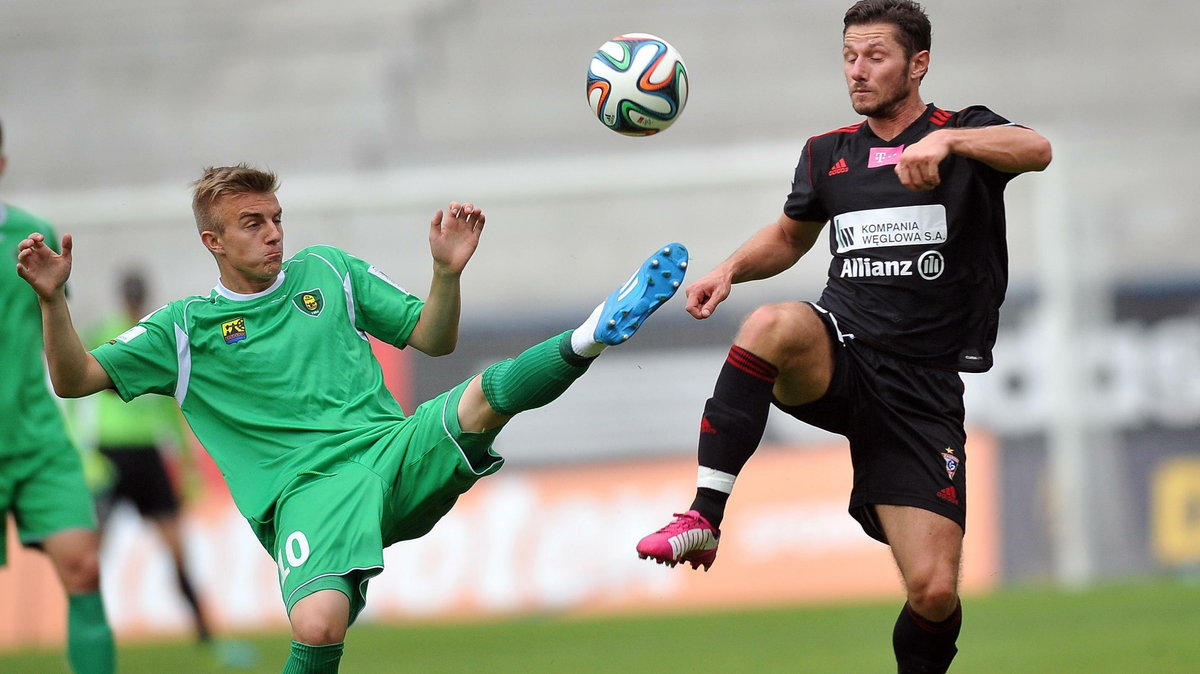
(454, 235)
(704, 295)
(43, 269)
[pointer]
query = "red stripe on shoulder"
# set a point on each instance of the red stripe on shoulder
(845, 129)
(940, 117)
(808, 153)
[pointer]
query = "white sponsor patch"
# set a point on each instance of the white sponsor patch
(882, 227)
(376, 272)
(131, 334)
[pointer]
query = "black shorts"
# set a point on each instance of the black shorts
(905, 426)
(141, 478)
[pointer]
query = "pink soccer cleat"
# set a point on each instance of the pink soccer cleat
(688, 538)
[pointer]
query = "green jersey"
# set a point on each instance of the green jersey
(31, 415)
(143, 422)
(278, 383)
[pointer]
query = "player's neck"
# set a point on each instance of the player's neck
(243, 284)
(894, 123)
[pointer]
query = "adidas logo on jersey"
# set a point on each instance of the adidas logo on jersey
(839, 167)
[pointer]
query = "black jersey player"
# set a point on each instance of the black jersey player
(913, 196)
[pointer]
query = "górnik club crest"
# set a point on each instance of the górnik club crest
(310, 302)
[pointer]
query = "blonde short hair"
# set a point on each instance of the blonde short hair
(220, 181)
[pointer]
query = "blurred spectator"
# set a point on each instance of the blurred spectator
(129, 465)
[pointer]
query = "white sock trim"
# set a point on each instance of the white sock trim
(715, 479)
(583, 339)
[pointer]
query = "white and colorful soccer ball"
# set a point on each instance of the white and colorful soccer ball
(637, 84)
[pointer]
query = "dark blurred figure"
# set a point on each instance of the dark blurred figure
(130, 438)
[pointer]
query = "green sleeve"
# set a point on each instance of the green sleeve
(382, 308)
(143, 358)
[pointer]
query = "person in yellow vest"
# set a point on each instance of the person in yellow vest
(129, 438)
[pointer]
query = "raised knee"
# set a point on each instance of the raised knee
(766, 320)
(778, 332)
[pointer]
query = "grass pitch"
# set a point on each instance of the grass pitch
(1135, 627)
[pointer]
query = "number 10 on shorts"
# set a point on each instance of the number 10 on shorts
(295, 548)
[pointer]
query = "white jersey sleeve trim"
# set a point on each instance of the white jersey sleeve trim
(348, 291)
(375, 271)
(183, 356)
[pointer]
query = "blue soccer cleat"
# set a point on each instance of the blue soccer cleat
(650, 286)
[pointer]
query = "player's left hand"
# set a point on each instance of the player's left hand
(918, 165)
(454, 236)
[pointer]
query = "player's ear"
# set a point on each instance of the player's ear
(919, 65)
(212, 241)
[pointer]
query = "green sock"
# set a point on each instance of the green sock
(540, 374)
(307, 659)
(90, 648)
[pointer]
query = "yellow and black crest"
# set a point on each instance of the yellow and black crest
(234, 331)
(310, 302)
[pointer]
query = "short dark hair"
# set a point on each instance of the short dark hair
(133, 287)
(912, 24)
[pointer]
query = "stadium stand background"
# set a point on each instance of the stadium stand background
(375, 114)
(112, 108)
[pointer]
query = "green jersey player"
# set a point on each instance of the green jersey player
(41, 475)
(274, 374)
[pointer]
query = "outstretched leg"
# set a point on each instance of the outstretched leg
(544, 371)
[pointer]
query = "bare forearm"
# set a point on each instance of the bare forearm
(772, 250)
(73, 371)
(436, 332)
(1012, 149)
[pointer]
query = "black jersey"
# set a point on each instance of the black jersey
(919, 274)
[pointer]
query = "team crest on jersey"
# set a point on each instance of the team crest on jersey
(951, 462)
(234, 331)
(310, 302)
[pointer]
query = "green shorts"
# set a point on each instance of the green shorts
(45, 491)
(331, 528)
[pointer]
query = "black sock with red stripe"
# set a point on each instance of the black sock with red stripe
(733, 424)
(923, 646)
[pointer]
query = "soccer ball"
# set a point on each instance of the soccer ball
(637, 84)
